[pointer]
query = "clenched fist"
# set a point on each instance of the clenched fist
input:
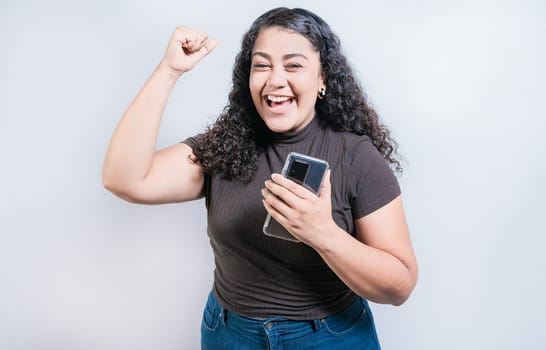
(186, 47)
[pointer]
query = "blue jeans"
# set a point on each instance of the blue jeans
(352, 328)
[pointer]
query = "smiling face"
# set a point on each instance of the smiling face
(285, 78)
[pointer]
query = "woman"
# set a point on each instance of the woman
(293, 90)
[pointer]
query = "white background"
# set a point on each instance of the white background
(460, 83)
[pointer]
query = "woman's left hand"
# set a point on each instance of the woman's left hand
(305, 215)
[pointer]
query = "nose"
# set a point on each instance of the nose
(277, 78)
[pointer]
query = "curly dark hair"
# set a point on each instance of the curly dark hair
(231, 146)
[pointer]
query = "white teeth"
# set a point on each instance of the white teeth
(277, 98)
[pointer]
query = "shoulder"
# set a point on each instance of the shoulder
(193, 141)
(356, 149)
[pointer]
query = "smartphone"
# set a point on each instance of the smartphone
(306, 171)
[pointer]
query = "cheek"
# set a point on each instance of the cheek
(307, 88)
(255, 86)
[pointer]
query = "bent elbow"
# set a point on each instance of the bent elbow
(400, 299)
(126, 196)
(110, 184)
(404, 289)
(118, 189)
(399, 296)
(115, 190)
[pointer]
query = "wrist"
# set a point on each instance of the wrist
(326, 241)
(169, 73)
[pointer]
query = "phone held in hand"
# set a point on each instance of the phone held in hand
(306, 171)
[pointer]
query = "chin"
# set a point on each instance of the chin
(279, 126)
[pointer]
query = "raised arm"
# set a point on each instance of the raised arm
(132, 168)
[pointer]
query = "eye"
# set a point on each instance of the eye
(293, 66)
(260, 66)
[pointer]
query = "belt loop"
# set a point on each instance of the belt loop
(317, 324)
(223, 314)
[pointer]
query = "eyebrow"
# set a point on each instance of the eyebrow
(285, 57)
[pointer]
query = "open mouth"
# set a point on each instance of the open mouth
(275, 101)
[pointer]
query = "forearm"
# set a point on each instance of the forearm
(379, 264)
(370, 272)
(132, 147)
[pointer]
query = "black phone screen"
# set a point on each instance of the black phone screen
(297, 171)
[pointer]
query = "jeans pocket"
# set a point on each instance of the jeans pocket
(348, 319)
(211, 315)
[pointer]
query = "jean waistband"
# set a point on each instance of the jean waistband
(356, 308)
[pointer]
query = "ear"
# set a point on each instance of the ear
(322, 87)
(322, 82)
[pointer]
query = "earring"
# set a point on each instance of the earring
(322, 93)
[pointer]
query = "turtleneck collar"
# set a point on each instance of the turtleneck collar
(294, 136)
